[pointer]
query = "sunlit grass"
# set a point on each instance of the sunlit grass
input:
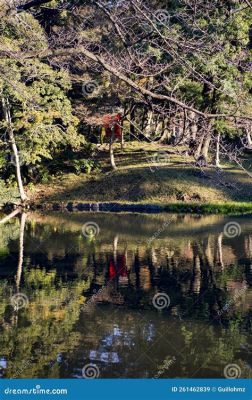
(176, 184)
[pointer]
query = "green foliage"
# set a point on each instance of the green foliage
(39, 278)
(84, 165)
(9, 232)
(8, 194)
(54, 308)
(41, 111)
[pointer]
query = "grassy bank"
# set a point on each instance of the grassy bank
(148, 208)
(221, 208)
(153, 174)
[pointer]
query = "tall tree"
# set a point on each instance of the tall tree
(37, 114)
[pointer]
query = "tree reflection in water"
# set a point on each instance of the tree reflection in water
(206, 275)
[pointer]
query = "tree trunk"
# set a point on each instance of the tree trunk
(166, 132)
(194, 130)
(193, 126)
(158, 129)
(132, 120)
(122, 138)
(249, 138)
(209, 96)
(148, 127)
(111, 151)
(180, 130)
(217, 154)
(206, 144)
(198, 150)
(7, 116)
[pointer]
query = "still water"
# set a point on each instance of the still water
(127, 295)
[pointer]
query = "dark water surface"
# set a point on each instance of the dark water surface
(135, 296)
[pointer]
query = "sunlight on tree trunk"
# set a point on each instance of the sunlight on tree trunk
(122, 140)
(115, 247)
(220, 252)
(217, 153)
(249, 139)
(111, 151)
(7, 116)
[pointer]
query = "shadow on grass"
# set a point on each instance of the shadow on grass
(163, 183)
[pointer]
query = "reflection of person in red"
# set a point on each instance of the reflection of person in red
(120, 269)
(112, 270)
(121, 263)
(113, 131)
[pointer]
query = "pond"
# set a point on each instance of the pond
(125, 296)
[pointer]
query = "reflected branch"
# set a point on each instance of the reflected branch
(21, 249)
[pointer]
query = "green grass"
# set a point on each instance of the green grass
(176, 183)
(224, 208)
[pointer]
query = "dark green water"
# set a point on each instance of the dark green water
(69, 299)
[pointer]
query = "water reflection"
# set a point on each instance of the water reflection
(90, 298)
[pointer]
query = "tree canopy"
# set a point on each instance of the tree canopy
(177, 73)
